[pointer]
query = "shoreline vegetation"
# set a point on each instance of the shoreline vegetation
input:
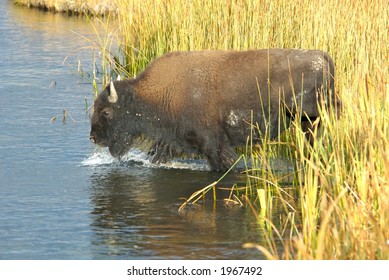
(73, 7)
(337, 204)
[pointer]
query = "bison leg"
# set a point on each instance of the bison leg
(309, 127)
(215, 147)
(221, 156)
(161, 152)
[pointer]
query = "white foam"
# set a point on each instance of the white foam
(101, 156)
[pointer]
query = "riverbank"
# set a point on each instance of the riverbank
(74, 7)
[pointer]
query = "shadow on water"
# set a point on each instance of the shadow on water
(135, 214)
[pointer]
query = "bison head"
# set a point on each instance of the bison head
(111, 124)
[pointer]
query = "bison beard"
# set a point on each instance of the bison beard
(206, 102)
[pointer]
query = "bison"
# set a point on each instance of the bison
(207, 102)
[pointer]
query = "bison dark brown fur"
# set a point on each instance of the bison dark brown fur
(206, 102)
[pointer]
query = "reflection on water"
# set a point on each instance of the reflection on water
(59, 199)
(136, 215)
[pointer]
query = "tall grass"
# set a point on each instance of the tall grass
(338, 206)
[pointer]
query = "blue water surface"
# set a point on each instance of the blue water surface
(60, 198)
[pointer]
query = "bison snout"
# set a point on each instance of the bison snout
(92, 139)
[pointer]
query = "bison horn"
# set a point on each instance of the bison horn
(113, 97)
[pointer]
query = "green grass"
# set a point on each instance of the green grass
(337, 202)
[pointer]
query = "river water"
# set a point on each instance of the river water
(60, 198)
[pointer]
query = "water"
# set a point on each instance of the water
(60, 198)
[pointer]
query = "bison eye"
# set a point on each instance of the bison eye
(107, 113)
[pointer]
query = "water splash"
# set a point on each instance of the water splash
(101, 156)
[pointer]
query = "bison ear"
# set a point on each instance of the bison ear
(113, 97)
